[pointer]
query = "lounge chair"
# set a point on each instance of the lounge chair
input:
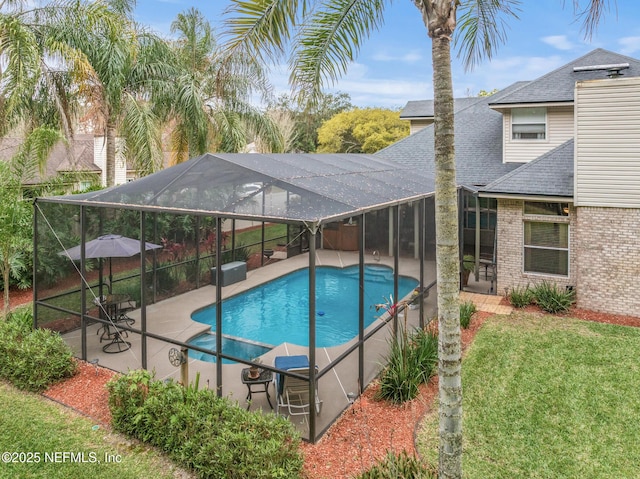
(292, 392)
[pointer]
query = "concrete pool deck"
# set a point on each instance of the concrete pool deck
(172, 318)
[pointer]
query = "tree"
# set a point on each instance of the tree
(310, 117)
(362, 130)
(207, 99)
(16, 211)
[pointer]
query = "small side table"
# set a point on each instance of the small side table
(263, 380)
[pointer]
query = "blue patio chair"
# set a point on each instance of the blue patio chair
(292, 392)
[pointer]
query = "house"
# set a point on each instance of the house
(81, 163)
(551, 168)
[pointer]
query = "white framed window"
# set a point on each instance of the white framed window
(546, 243)
(529, 123)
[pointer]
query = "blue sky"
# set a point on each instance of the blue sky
(394, 65)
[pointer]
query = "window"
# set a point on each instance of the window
(528, 123)
(488, 212)
(546, 243)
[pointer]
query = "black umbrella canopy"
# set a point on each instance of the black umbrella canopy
(108, 246)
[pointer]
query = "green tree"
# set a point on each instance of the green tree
(310, 117)
(325, 43)
(362, 130)
(207, 100)
(16, 211)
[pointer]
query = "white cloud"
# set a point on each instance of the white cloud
(561, 42)
(629, 45)
(412, 56)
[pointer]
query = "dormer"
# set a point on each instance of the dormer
(538, 116)
(419, 113)
(530, 130)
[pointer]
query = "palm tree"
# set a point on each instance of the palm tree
(327, 40)
(208, 102)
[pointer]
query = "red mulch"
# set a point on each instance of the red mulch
(362, 435)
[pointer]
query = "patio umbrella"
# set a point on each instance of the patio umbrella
(108, 246)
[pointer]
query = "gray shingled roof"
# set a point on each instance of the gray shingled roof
(559, 85)
(59, 161)
(478, 144)
(549, 175)
(424, 108)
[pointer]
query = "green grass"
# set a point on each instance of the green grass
(278, 231)
(30, 424)
(546, 397)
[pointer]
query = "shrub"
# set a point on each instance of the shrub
(467, 308)
(32, 360)
(211, 435)
(411, 362)
(521, 296)
(552, 298)
(401, 465)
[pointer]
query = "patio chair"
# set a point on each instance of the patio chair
(292, 392)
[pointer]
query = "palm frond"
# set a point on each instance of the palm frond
(330, 40)
(32, 155)
(262, 28)
(482, 28)
(140, 129)
(592, 14)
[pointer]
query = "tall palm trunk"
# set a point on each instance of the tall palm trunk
(111, 154)
(447, 259)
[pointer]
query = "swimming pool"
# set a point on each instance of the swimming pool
(278, 311)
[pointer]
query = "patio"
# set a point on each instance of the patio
(172, 318)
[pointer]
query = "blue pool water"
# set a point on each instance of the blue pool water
(278, 311)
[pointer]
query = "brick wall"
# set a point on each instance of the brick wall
(609, 254)
(510, 240)
(604, 254)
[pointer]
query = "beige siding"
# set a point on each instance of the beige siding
(559, 129)
(417, 125)
(607, 151)
(100, 159)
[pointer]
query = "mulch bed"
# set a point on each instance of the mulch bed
(362, 435)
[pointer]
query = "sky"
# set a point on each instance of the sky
(394, 64)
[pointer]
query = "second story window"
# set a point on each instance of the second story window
(528, 123)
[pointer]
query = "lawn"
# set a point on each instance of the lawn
(46, 434)
(548, 397)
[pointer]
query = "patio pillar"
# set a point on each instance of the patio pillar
(477, 249)
(421, 235)
(83, 284)
(361, 240)
(218, 306)
(143, 288)
(313, 229)
(396, 263)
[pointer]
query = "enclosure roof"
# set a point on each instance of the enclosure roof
(314, 188)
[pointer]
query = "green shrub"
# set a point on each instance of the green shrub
(32, 360)
(467, 308)
(521, 296)
(411, 362)
(399, 466)
(211, 435)
(553, 298)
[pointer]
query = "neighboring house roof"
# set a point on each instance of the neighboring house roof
(478, 144)
(416, 109)
(549, 175)
(559, 85)
(78, 156)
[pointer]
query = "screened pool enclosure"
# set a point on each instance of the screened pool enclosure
(215, 231)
